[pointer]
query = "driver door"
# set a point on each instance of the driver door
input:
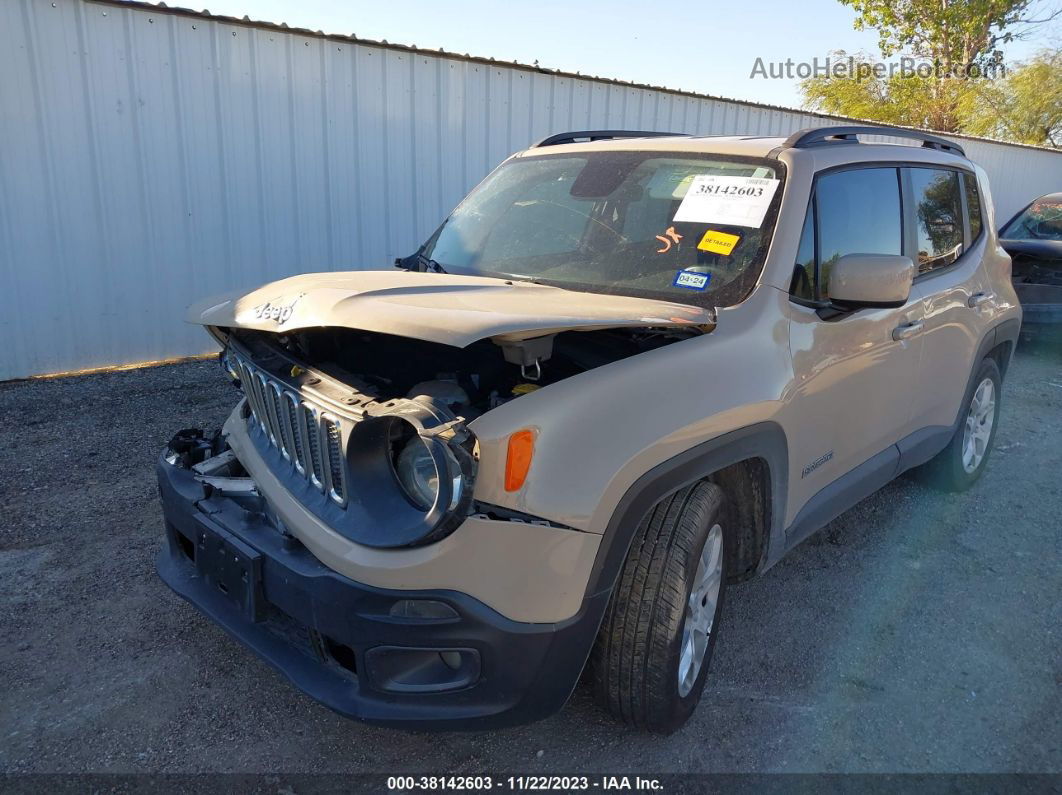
(854, 372)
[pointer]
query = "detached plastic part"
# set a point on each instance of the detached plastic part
(189, 447)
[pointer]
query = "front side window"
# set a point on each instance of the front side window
(939, 222)
(858, 213)
(682, 227)
(1041, 220)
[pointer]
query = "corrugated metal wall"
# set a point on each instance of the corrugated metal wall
(148, 159)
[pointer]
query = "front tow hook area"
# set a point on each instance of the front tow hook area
(191, 446)
(213, 464)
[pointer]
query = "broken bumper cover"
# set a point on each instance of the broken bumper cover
(414, 659)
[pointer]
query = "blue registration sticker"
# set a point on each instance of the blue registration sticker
(692, 280)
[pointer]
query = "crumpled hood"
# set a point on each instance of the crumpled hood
(453, 310)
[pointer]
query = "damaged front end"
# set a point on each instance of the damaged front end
(360, 387)
(370, 430)
(383, 473)
(333, 524)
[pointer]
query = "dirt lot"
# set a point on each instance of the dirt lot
(918, 632)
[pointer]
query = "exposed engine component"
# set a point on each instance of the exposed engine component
(444, 392)
(529, 355)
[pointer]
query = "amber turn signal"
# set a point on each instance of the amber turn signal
(518, 460)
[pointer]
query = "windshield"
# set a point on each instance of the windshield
(1041, 220)
(687, 228)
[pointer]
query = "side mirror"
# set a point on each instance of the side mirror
(872, 280)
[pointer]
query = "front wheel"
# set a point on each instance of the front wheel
(651, 656)
(958, 466)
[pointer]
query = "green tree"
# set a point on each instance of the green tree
(950, 33)
(912, 101)
(961, 39)
(1025, 106)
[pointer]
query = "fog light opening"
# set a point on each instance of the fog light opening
(400, 669)
(452, 659)
(422, 610)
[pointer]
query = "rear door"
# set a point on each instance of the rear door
(947, 231)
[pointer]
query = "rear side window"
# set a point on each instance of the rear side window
(973, 205)
(857, 212)
(938, 213)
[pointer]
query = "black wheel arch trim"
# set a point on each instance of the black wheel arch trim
(1007, 331)
(764, 440)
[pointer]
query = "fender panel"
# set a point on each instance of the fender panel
(764, 440)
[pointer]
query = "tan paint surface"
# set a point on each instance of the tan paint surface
(453, 310)
(526, 572)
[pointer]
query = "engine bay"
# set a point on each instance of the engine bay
(468, 381)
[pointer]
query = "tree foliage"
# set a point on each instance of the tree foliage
(961, 40)
(907, 100)
(947, 32)
(1025, 107)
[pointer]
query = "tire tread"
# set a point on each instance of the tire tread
(629, 663)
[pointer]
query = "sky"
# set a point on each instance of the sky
(706, 47)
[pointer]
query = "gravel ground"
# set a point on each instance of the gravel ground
(918, 632)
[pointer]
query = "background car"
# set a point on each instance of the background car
(1033, 238)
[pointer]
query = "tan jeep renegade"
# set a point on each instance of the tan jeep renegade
(628, 369)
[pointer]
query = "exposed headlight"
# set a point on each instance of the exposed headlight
(228, 364)
(419, 475)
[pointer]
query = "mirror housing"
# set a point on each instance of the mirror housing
(871, 280)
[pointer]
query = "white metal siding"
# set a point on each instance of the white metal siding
(148, 159)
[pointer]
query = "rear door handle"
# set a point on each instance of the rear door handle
(907, 330)
(977, 299)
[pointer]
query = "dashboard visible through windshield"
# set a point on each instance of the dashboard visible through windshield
(675, 226)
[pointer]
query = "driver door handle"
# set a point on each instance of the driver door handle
(977, 299)
(907, 330)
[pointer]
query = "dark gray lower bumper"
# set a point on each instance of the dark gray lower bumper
(336, 639)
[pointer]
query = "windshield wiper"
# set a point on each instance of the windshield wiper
(430, 265)
(419, 263)
(520, 277)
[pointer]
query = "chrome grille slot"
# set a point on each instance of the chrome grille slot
(250, 383)
(313, 445)
(333, 449)
(291, 410)
(263, 409)
(267, 411)
(276, 406)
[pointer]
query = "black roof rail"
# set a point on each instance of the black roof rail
(599, 135)
(817, 136)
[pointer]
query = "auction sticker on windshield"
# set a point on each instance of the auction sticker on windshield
(718, 242)
(730, 201)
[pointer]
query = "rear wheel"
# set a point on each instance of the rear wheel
(651, 656)
(958, 466)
